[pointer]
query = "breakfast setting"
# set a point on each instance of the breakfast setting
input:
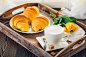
(43, 29)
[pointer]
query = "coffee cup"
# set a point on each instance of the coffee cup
(54, 34)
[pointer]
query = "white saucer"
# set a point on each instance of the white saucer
(45, 45)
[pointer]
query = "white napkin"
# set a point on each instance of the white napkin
(45, 45)
(78, 9)
(5, 5)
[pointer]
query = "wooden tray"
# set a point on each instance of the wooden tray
(29, 41)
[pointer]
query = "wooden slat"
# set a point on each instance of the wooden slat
(9, 48)
(23, 41)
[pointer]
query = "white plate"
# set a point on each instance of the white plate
(30, 28)
(79, 32)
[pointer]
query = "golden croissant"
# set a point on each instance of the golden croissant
(39, 23)
(30, 17)
(31, 12)
(20, 22)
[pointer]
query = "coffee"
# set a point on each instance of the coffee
(54, 29)
(53, 34)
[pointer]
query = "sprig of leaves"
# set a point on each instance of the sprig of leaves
(52, 14)
(62, 19)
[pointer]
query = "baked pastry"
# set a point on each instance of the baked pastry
(31, 12)
(30, 17)
(23, 26)
(39, 23)
(20, 22)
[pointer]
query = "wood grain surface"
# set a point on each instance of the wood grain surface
(9, 48)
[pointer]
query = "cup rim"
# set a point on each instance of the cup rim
(54, 25)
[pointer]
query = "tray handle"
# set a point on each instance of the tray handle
(70, 48)
(83, 42)
(81, 24)
(8, 14)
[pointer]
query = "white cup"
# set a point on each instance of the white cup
(54, 34)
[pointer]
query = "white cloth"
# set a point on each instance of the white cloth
(5, 5)
(78, 9)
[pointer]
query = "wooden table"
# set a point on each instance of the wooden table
(9, 48)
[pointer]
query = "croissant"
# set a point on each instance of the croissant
(20, 22)
(23, 26)
(31, 12)
(30, 17)
(39, 23)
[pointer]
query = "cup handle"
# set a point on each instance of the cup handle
(66, 35)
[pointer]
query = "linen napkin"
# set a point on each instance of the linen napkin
(5, 5)
(78, 10)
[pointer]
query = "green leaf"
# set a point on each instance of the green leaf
(60, 20)
(55, 21)
(65, 19)
(54, 24)
(52, 14)
(73, 19)
(62, 24)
